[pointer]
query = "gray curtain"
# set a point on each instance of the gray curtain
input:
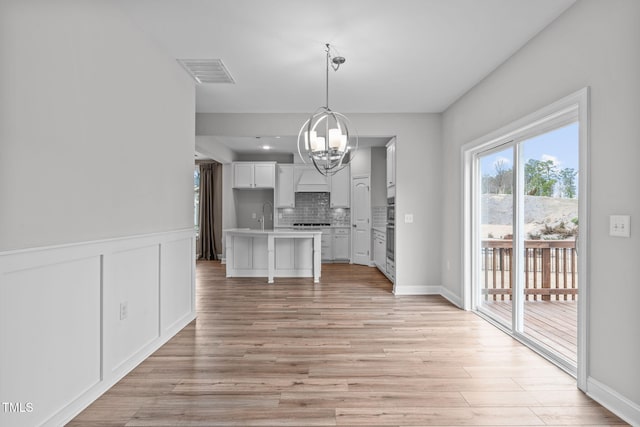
(210, 238)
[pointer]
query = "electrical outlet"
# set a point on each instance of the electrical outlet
(254, 215)
(619, 225)
(124, 310)
(408, 218)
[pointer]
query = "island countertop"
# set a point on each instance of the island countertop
(277, 231)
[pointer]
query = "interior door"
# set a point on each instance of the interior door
(361, 216)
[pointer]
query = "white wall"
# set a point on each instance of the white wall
(378, 176)
(97, 127)
(361, 163)
(418, 179)
(597, 44)
(249, 202)
(96, 190)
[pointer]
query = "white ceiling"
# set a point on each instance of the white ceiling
(401, 56)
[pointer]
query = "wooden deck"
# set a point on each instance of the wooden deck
(344, 352)
(551, 323)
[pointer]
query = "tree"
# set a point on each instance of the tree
(499, 183)
(503, 178)
(540, 177)
(567, 178)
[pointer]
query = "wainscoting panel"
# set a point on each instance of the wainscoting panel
(175, 298)
(49, 338)
(131, 303)
(64, 336)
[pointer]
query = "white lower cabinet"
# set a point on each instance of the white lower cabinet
(327, 244)
(341, 244)
(303, 254)
(293, 254)
(380, 250)
(250, 253)
(284, 254)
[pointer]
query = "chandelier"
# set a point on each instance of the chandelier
(326, 139)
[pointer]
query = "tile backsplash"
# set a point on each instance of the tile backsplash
(313, 207)
(379, 214)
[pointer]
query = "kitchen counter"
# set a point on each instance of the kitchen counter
(273, 253)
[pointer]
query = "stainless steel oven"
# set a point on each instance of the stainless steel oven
(391, 225)
(391, 214)
(391, 242)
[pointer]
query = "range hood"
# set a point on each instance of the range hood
(309, 180)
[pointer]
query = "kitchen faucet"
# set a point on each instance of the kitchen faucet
(263, 205)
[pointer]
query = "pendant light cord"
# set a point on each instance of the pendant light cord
(327, 74)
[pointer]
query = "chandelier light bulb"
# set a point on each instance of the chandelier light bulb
(335, 137)
(317, 144)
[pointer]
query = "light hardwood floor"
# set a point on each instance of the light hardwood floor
(343, 352)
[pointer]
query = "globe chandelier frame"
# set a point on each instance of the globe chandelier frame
(327, 140)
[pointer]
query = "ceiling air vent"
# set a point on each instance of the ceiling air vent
(206, 71)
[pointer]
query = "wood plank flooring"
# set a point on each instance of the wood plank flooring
(344, 352)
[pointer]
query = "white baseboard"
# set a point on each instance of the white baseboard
(86, 399)
(74, 293)
(430, 290)
(614, 401)
(416, 290)
(451, 297)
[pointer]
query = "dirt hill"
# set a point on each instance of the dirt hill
(539, 212)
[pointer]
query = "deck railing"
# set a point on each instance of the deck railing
(551, 272)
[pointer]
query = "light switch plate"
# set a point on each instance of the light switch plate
(124, 310)
(408, 218)
(620, 225)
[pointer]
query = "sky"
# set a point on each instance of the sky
(560, 145)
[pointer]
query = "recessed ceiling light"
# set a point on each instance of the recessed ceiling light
(266, 147)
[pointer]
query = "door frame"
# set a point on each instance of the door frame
(578, 101)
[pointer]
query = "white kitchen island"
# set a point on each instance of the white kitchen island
(273, 253)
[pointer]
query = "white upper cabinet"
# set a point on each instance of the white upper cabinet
(391, 168)
(285, 197)
(243, 175)
(254, 174)
(341, 188)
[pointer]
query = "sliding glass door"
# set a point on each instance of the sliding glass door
(526, 226)
(550, 196)
(496, 233)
